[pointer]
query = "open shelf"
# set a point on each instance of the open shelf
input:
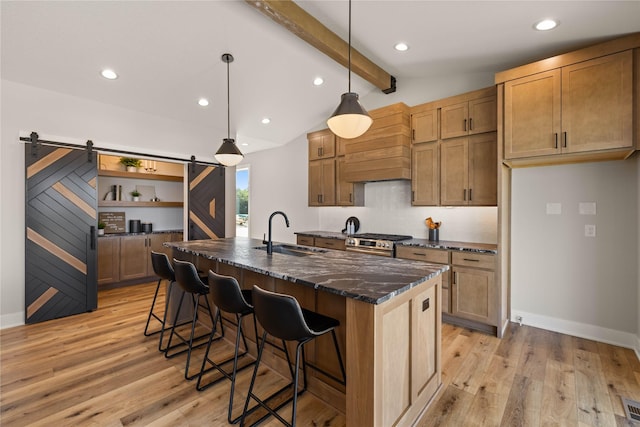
(128, 204)
(140, 175)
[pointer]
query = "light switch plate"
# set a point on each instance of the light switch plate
(590, 230)
(587, 208)
(554, 208)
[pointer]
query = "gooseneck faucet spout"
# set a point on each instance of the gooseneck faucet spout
(269, 242)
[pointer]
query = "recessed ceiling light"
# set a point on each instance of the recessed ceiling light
(401, 47)
(109, 74)
(318, 81)
(545, 25)
(266, 121)
(203, 102)
(244, 144)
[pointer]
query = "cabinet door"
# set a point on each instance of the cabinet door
(483, 170)
(483, 115)
(532, 115)
(108, 260)
(322, 144)
(454, 168)
(425, 180)
(322, 182)
(424, 126)
(133, 257)
(473, 295)
(454, 120)
(597, 104)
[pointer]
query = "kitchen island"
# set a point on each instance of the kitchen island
(389, 311)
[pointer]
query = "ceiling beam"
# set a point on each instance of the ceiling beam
(295, 19)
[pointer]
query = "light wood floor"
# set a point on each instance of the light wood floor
(98, 369)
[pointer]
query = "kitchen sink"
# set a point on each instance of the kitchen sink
(293, 250)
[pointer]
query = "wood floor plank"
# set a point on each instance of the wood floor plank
(97, 369)
(559, 395)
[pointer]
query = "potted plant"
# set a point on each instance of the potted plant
(101, 226)
(136, 195)
(130, 163)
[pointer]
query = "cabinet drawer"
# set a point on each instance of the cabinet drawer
(323, 242)
(305, 240)
(423, 254)
(470, 259)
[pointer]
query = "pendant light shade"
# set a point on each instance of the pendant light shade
(228, 154)
(350, 120)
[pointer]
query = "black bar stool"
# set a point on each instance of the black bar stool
(282, 317)
(228, 297)
(190, 282)
(163, 269)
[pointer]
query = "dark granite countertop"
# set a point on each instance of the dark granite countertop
(451, 245)
(140, 234)
(369, 278)
(424, 243)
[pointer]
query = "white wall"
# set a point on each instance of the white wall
(51, 114)
(562, 280)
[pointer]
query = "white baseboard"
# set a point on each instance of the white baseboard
(12, 319)
(582, 330)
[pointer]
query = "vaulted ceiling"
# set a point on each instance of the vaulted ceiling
(167, 53)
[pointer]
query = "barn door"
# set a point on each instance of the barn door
(206, 202)
(60, 248)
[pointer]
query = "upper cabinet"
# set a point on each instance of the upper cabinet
(322, 182)
(469, 171)
(322, 144)
(574, 107)
(469, 117)
(424, 125)
(582, 107)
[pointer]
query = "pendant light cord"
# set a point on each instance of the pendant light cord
(349, 45)
(228, 108)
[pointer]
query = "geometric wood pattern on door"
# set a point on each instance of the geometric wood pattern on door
(60, 246)
(206, 202)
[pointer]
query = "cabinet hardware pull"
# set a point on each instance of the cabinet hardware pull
(318, 198)
(413, 134)
(564, 143)
(469, 259)
(322, 198)
(465, 125)
(92, 232)
(556, 137)
(319, 152)
(425, 305)
(413, 196)
(470, 123)
(455, 278)
(464, 194)
(351, 197)
(419, 254)
(471, 189)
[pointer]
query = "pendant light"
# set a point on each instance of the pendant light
(228, 154)
(350, 120)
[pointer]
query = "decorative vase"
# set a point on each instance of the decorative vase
(132, 169)
(100, 231)
(136, 198)
(434, 234)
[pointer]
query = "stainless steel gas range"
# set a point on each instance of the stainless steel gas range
(373, 243)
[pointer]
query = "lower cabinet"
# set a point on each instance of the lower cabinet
(469, 288)
(108, 260)
(127, 258)
(322, 242)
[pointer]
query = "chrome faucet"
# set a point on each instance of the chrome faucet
(269, 243)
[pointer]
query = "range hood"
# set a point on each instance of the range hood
(383, 153)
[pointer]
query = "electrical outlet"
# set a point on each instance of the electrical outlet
(590, 230)
(519, 320)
